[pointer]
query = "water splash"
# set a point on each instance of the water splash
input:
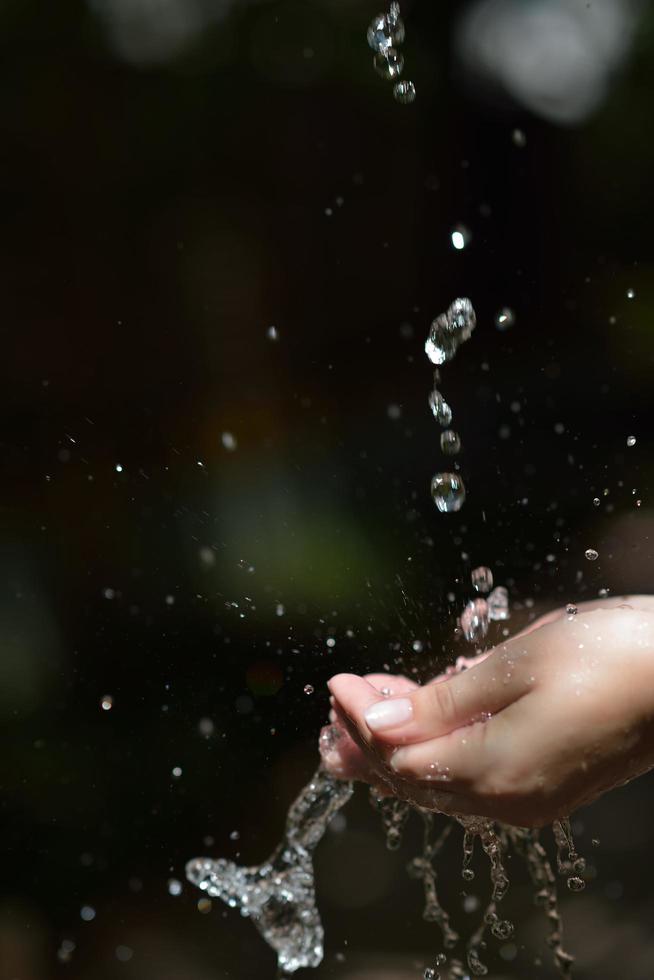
(279, 895)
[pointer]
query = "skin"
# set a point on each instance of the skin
(542, 724)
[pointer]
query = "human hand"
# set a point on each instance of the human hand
(548, 721)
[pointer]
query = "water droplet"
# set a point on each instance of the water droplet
(519, 138)
(596, 501)
(205, 905)
(389, 64)
(417, 646)
(576, 884)
(468, 874)
(107, 702)
(280, 609)
(631, 441)
(631, 294)
(331, 642)
(498, 604)
(450, 442)
(460, 237)
(404, 92)
(430, 974)
(571, 609)
(449, 330)
(124, 953)
(482, 579)
(386, 30)
(229, 441)
(118, 468)
(504, 318)
(502, 929)
(235, 835)
(174, 887)
(272, 333)
(448, 492)
(308, 689)
(591, 554)
(176, 772)
(87, 913)
(474, 620)
(394, 412)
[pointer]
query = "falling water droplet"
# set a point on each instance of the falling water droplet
(460, 237)
(596, 501)
(404, 92)
(482, 579)
(174, 887)
(450, 442)
(519, 138)
(474, 620)
(504, 318)
(571, 609)
(631, 441)
(449, 330)
(591, 554)
(386, 30)
(107, 702)
(498, 604)
(272, 333)
(576, 884)
(448, 492)
(308, 689)
(631, 294)
(229, 442)
(389, 64)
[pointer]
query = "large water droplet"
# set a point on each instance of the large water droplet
(404, 92)
(482, 579)
(449, 330)
(386, 30)
(450, 442)
(474, 620)
(591, 554)
(389, 64)
(448, 492)
(460, 237)
(498, 604)
(631, 441)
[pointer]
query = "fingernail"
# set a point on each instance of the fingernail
(388, 714)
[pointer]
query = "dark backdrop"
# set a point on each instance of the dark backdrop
(158, 216)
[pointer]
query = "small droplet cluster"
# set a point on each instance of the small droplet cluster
(478, 613)
(385, 34)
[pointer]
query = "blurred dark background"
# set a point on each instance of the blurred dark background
(201, 515)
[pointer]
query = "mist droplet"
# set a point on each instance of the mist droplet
(631, 294)
(229, 442)
(272, 333)
(518, 137)
(174, 887)
(448, 492)
(591, 554)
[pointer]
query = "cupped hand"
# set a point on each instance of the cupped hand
(548, 721)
